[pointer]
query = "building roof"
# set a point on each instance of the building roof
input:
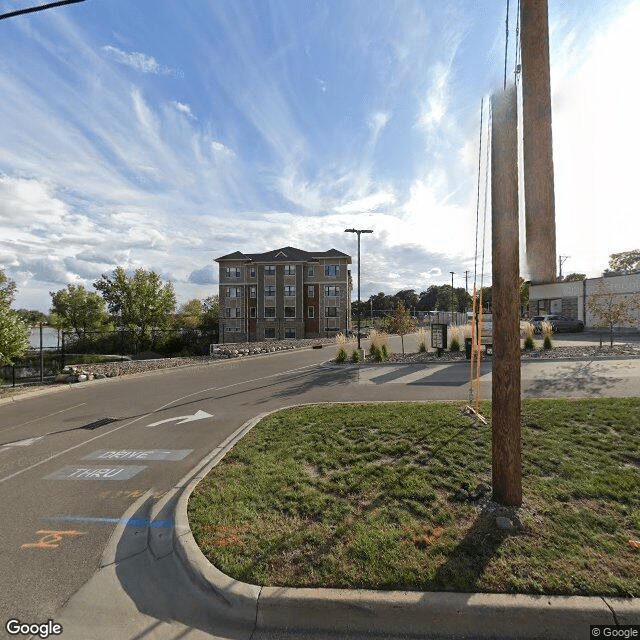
(285, 254)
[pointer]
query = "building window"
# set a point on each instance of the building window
(232, 312)
(332, 270)
(269, 312)
(311, 271)
(331, 312)
(252, 272)
(234, 292)
(289, 269)
(289, 290)
(311, 312)
(270, 290)
(289, 312)
(270, 333)
(270, 270)
(252, 312)
(332, 291)
(289, 333)
(252, 291)
(232, 272)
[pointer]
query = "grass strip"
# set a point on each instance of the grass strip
(397, 496)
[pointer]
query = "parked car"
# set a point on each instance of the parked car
(558, 323)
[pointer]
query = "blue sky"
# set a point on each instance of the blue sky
(165, 134)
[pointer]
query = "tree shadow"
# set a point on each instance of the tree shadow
(583, 377)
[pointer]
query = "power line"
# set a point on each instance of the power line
(42, 7)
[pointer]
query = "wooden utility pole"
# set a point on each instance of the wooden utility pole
(537, 143)
(506, 412)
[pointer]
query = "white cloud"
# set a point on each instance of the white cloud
(139, 61)
(596, 138)
(182, 108)
(220, 149)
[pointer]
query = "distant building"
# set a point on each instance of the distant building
(571, 299)
(285, 293)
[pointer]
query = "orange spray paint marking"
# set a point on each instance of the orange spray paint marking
(50, 539)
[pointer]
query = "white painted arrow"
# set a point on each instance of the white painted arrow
(198, 415)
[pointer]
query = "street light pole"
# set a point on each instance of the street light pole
(358, 231)
(452, 272)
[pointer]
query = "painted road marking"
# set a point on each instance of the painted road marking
(20, 443)
(96, 473)
(130, 522)
(198, 415)
(128, 454)
(50, 539)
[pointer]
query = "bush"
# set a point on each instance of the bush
(384, 351)
(342, 355)
(422, 348)
(355, 356)
(547, 342)
(455, 345)
(529, 343)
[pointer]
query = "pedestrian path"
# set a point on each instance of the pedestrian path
(448, 374)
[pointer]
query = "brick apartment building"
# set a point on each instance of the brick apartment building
(285, 293)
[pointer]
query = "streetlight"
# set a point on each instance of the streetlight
(452, 272)
(358, 231)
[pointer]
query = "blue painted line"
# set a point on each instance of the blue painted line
(129, 522)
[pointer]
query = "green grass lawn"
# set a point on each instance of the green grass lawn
(395, 496)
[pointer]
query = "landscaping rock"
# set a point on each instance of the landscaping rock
(504, 524)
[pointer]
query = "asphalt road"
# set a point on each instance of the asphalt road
(73, 462)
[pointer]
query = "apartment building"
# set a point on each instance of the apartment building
(284, 293)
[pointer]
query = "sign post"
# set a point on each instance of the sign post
(439, 337)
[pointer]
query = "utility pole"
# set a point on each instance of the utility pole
(537, 142)
(506, 446)
(451, 272)
(561, 261)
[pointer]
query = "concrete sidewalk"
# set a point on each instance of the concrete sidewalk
(156, 583)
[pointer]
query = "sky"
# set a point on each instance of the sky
(163, 134)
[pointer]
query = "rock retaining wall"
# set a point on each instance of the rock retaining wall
(82, 372)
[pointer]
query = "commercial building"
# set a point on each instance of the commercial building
(571, 299)
(284, 293)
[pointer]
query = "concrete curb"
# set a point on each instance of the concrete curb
(410, 613)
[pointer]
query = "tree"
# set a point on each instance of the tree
(625, 261)
(14, 333)
(7, 289)
(575, 277)
(408, 297)
(612, 309)
(78, 309)
(140, 302)
(32, 316)
(210, 312)
(190, 314)
(401, 322)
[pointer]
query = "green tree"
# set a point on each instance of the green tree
(625, 261)
(401, 322)
(210, 312)
(7, 289)
(33, 316)
(190, 314)
(78, 309)
(612, 309)
(575, 277)
(14, 333)
(140, 303)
